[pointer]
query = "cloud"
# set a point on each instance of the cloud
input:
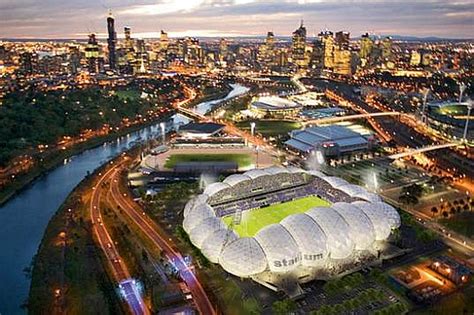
(58, 18)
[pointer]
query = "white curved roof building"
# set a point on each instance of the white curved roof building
(314, 239)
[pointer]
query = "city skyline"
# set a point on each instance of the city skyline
(74, 19)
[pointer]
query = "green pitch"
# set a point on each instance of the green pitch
(254, 220)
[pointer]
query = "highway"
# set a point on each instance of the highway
(120, 272)
(160, 240)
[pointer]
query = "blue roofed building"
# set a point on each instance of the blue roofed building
(331, 140)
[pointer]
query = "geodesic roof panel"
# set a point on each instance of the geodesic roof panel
(235, 179)
(352, 190)
(196, 215)
(276, 170)
(361, 229)
(392, 215)
(309, 237)
(256, 173)
(294, 169)
(208, 226)
(213, 244)
(317, 174)
(215, 188)
(335, 182)
(379, 220)
(336, 229)
(279, 247)
(199, 199)
(243, 257)
(368, 196)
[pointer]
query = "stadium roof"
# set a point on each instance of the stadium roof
(274, 103)
(201, 128)
(316, 238)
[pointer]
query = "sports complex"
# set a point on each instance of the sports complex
(283, 224)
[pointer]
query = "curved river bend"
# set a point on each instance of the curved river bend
(23, 219)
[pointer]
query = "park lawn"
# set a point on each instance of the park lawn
(462, 223)
(242, 160)
(270, 127)
(254, 220)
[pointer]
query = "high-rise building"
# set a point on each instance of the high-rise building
(111, 40)
(164, 40)
(28, 62)
(92, 54)
(366, 45)
(327, 39)
(128, 39)
(342, 39)
(317, 57)
(387, 48)
(415, 58)
(298, 48)
(223, 49)
(74, 59)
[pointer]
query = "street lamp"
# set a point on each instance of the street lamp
(163, 132)
(462, 88)
(252, 128)
(469, 108)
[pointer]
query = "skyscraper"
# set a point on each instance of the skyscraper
(92, 54)
(366, 45)
(112, 39)
(128, 39)
(327, 39)
(299, 46)
(387, 48)
(342, 39)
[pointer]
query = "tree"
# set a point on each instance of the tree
(445, 214)
(434, 210)
(284, 307)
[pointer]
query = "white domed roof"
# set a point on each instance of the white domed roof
(352, 190)
(243, 257)
(280, 248)
(392, 215)
(204, 229)
(234, 179)
(309, 237)
(199, 199)
(276, 170)
(336, 229)
(212, 245)
(361, 229)
(317, 174)
(368, 196)
(196, 215)
(294, 169)
(379, 220)
(256, 173)
(335, 182)
(215, 188)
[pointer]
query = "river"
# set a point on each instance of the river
(24, 218)
(204, 107)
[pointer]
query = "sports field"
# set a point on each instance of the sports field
(242, 160)
(254, 220)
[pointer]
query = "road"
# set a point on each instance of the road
(120, 272)
(162, 241)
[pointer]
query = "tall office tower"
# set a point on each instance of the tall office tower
(270, 41)
(327, 39)
(317, 58)
(387, 48)
(92, 54)
(366, 45)
(74, 59)
(223, 49)
(128, 39)
(415, 58)
(28, 62)
(298, 48)
(164, 41)
(342, 39)
(111, 40)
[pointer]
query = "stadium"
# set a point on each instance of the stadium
(279, 223)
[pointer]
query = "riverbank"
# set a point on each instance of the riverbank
(68, 272)
(54, 160)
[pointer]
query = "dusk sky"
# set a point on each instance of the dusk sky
(76, 18)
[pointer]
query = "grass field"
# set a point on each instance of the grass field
(128, 94)
(242, 160)
(270, 127)
(254, 220)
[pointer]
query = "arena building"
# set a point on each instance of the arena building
(200, 130)
(273, 106)
(449, 118)
(278, 223)
(330, 140)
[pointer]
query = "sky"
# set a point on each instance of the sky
(76, 18)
